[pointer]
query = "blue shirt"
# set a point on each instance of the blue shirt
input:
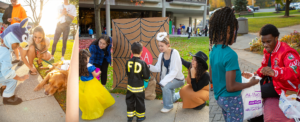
(183, 27)
(90, 77)
(91, 31)
(98, 55)
(221, 61)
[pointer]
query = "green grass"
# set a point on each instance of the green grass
(255, 24)
(60, 97)
(264, 14)
(184, 46)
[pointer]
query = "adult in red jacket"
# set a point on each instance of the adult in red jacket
(279, 68)
(280, 65)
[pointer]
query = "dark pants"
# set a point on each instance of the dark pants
(189, 35)
(61, 28)
(267, 90)
(205, 33)
(135, 104)
(103, 69)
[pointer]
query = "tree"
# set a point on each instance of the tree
(97, 8)
(287, 8)
(74, 23)
(36, 17)
(240, 5)
(228, 3)
(250, 2)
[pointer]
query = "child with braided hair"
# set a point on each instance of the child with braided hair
(224, 67)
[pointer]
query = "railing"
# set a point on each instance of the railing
(194, 1)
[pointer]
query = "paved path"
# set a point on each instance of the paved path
(243, 41)
(36, 106)
(248, 61)
(117, 112)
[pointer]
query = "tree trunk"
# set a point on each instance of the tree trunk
(228, 3)
(97, 9)
(287, 8)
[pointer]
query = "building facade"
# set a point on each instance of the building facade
(179, 12)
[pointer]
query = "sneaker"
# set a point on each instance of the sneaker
(20, 63)
(51, 59)
(164, 110)
(141, 119)
(129, 119)
(62, 59)
(15, 61)
(13, 100)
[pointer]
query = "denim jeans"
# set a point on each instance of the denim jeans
(168, 92)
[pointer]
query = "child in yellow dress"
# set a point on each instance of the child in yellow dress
(93, 97)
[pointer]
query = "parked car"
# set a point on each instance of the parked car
(254, 8)
(248, 9)
(297, 7)
(212, 12)
(279, 8)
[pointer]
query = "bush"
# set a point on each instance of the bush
(293, 40)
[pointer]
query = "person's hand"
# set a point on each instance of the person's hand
(267, 71)
(9, 19)
(246, 75)
(193, 72)
(64, 12)
(25, 77)
(17, 19)
(253, 81)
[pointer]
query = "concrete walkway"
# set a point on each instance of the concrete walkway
(248, 61)
(117, 112)
(242, 42)
(36, 106)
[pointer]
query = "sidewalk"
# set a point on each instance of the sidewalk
(242, 42)
(36, 106)
(117, 112)
(248, 61)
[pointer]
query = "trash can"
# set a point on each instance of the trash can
(243, 25)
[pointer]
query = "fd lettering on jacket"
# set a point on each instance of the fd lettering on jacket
(137, 67)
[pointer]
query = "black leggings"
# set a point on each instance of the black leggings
(103, 69)
(61, 28)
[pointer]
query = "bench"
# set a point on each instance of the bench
(246, 13)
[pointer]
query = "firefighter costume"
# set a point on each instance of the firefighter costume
(136, 70)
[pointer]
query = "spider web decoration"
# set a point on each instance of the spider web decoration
(127, 31)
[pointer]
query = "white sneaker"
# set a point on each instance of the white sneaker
(164, 110)
(62, 59)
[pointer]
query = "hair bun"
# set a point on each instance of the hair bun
(161, 35)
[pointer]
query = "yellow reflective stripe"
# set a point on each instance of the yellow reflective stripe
(131, 114)
(140, 114)
(135, 89)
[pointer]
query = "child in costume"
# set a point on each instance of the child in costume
(136, 70)
(93, 97)
(14, 36)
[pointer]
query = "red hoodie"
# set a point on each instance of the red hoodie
(286, 65)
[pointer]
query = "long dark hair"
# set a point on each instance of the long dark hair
(199, 69)
(83, 55)
(104, 37)
(218, 26)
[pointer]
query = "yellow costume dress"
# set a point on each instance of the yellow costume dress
(93, 97)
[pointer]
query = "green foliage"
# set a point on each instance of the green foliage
(293, 40)
(240, 5)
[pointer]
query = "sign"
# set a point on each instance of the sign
(146, 56)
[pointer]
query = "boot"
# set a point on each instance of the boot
(141, 119)
(2, 88)
(13, 100)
